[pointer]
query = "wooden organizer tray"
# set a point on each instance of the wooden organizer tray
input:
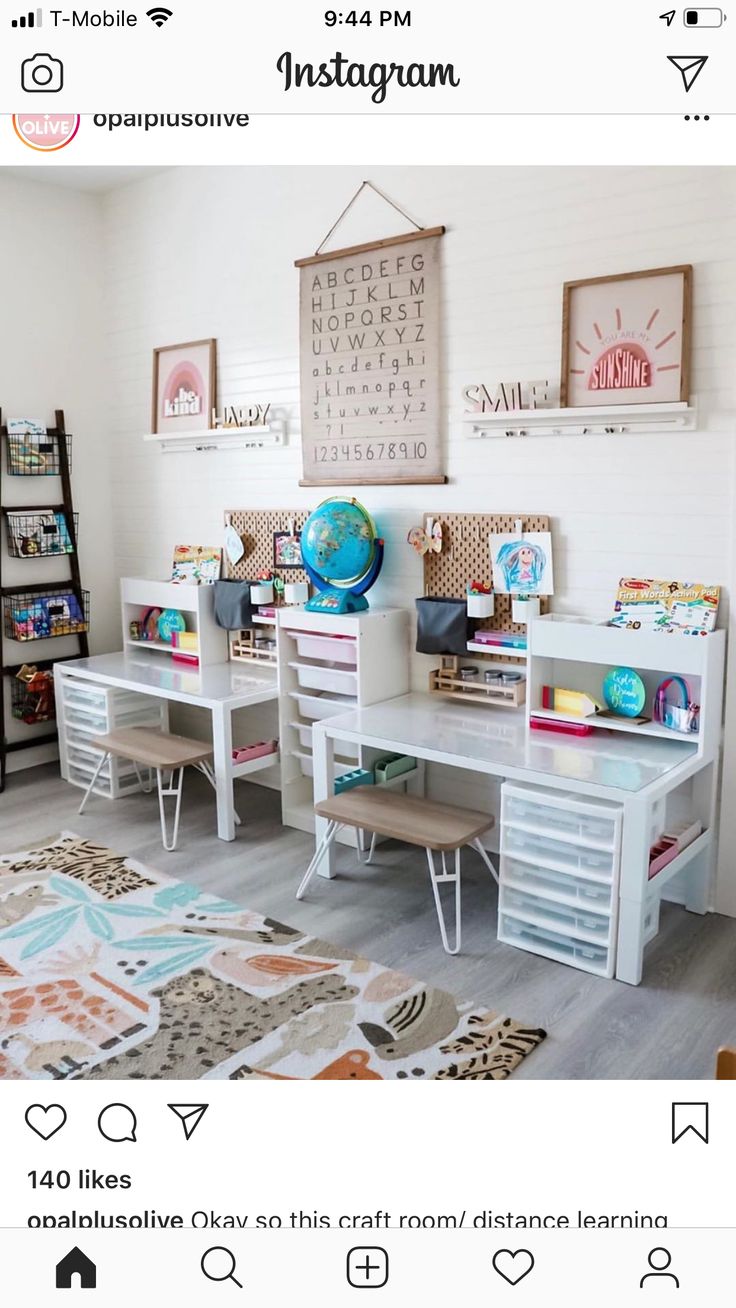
(466, 556)
(243, 648)
(446, 681)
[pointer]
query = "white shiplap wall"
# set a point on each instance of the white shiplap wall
(209, 252)
(50, 358)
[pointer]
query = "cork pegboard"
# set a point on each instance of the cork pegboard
(257, 528)
(466, 556)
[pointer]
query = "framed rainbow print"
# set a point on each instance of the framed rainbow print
(184, 386)
(626, 339)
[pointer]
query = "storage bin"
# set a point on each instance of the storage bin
(561, 917)
(562, 886)
(577, 827)
(317, 707)
(334, 649)
(318, 677)
(545, 852)
(563, 949)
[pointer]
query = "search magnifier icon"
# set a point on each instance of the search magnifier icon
(218, 1264)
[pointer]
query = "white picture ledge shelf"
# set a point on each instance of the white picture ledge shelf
(595, 421)
(220, 438)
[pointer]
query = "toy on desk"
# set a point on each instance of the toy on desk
(147, 625)
(427, 539)
(624, 692)
(481, 603)
(683, 716)
(561, 728)
(171, 620)
(574, 703)
(342, 554)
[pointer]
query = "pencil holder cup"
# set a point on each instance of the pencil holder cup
(523, 610)
(262, 592)
(480, 606)
(296, 592)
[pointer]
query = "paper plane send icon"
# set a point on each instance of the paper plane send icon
(690, 66)
(668, 17)
(190, 1116)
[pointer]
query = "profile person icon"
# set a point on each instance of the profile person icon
(659, 1261)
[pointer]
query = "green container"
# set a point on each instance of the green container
(348, 780)
(391, 766)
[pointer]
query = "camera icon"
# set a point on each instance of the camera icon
(42, 73)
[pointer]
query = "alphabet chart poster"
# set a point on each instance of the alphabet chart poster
(369, 355)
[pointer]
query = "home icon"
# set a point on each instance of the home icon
(76, 1264)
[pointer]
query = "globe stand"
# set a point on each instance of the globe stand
(351, 599)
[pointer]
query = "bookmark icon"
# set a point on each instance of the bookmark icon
(190, 1116)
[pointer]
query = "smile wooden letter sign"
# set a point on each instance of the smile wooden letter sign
(369, 352)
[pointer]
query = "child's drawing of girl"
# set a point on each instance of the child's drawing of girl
(523, 564)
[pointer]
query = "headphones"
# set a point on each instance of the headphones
(682, 716)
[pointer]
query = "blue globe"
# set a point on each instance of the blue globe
(339, 542)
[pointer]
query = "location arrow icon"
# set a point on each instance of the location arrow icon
(669, 16)
(190, 1116)
(690, 67)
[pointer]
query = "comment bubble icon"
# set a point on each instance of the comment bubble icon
(117, 1123)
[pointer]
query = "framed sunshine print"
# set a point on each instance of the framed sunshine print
(184, 386)
(626, 339)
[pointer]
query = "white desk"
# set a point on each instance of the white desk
(634, 772)
(221, 688)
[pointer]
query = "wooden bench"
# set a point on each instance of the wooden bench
(437, 828)
(159, 752)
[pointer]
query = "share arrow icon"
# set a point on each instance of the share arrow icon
(690, 67)
(190, 1116)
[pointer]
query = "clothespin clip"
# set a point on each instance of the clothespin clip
(519, 527)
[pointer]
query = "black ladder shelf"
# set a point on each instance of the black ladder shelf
(57, 439)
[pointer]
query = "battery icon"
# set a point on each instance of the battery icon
(704, 17)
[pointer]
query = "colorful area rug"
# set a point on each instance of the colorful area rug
(111, 970)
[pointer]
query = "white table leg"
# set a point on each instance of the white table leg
(700, 874)
(323, 754)
(222, 741)
(632, 891)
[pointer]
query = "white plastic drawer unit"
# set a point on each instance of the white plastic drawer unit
(560, 857)
(333, 649)
(584, 828)
(546, 852)
(558, 917)
(338, 681)
(85, 710)
(583, 954)
(560, 887)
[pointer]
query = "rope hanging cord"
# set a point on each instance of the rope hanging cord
(349, 206)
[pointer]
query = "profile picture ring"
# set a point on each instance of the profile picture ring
(42, 72)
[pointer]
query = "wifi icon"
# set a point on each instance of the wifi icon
(159, 15)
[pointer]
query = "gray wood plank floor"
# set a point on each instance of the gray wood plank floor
(670, 1026)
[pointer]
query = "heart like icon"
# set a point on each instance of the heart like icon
(513, 1265)
(45, 1120)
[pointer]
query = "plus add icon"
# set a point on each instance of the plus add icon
(367, 1267)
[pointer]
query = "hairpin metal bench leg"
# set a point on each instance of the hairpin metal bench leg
(207, 770)
(445, 878)
(319, 853)
(485, 856)
(362, 857)
(166, 792)
(90, 787)
(146, 786)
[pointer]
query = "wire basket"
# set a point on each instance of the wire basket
(37, 456)
(39, 534)
(43, 614)
(32, 696)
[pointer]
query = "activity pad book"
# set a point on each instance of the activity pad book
(670, 606)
